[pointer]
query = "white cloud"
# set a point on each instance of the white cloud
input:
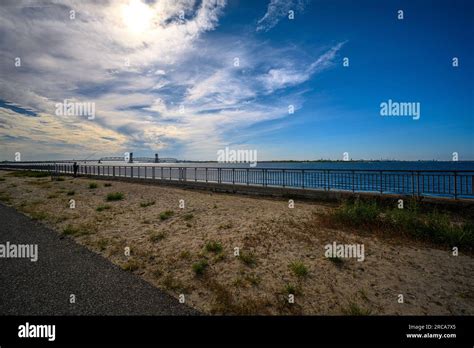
(172, 63)
(278, 9)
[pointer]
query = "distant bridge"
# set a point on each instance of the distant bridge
(131, 159)
(155, 159)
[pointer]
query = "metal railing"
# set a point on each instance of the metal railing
(454, 184)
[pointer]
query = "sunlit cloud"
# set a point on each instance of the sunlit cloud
(157, 80)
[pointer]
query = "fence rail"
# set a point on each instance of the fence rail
(453, 184)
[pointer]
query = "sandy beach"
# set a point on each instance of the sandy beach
(191, 251)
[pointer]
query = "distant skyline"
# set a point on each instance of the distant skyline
(186, 79)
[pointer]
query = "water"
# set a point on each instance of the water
(349, 165)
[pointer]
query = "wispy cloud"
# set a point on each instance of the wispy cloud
(278, 9)
(169, 87)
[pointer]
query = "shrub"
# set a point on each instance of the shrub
(188, 216)
(200, 266)
(336, 260)
(102, 244)
(115, 196)
(156, 237)
(29, 174)
(185, 255)
(71, 193)
(357, 213)
(38, 215)
(213, 246)
(434, 226)
(93, 185)
(146, 204)
(291, 289)
(166, 214)
(354, 309)
(70, 230)
(248, 258)
(107, 184)
(299, 268)
(5, 197)
(131, 265)
(102, 207)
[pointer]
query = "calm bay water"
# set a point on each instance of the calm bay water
(349, 165)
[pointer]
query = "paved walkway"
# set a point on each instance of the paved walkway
(65, 267)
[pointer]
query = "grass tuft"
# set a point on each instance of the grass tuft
(76, 231)
(146, 204)
(200, 266)
(213, 246)
(166, 214)
(103, 207)
(299, 268)
(248, 258)
(188, 216)
(115, 196)
(158, 236)
(355, 310)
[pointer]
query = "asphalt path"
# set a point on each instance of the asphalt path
(63, 268)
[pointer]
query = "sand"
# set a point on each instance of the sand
(270, 237)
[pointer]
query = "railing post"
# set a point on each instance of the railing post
(233, 176)
(472, 184)
(195, 174)
(328, 181)
(418, 184)
(153, 172)
(455, 186)
(381, 186)
(113, 171)
(302, 177)
(413, 184)
(206, 174)
(131, 172)
(353, 181)
(284, 178)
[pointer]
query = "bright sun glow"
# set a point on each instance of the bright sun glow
(137, 16)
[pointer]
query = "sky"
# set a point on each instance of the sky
(290, 79)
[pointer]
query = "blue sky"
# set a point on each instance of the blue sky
(162, 76)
